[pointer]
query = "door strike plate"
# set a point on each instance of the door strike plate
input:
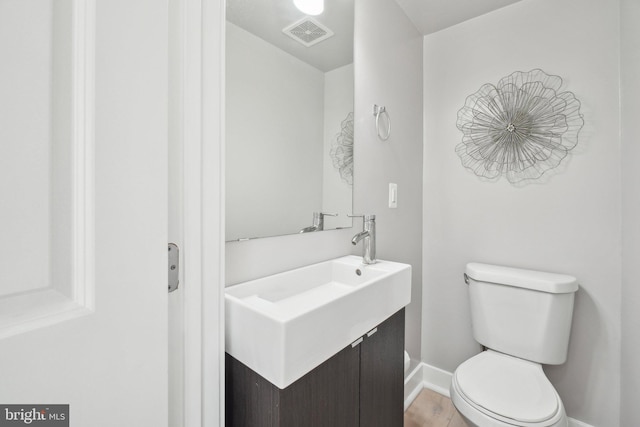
(174, 266)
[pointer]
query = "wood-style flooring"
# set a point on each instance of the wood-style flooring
(431, 409)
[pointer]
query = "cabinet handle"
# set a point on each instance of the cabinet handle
(359, 340)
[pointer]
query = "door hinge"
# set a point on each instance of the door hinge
(174, 266)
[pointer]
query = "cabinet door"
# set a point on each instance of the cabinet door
(326, 396)
(250, 400)
(382, 375)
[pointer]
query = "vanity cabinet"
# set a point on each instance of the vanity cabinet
(359, 386)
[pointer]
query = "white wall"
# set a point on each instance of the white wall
(273, 147)
(568, 222)
(630, 97)
(388, 69)
(337, 195)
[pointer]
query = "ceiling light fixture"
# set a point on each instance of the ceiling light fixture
(310, 7)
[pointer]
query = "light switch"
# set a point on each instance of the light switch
(393, 195)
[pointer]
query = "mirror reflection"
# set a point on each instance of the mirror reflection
(289, 118)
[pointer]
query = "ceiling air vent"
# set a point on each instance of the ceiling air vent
(308, 31)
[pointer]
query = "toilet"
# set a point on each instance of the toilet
(523, 319)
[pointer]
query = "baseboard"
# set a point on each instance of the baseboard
(576, 423)
(436, 379)
(439, 380)
(413, 385)
(425, 376)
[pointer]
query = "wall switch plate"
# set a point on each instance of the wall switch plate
(393, 195)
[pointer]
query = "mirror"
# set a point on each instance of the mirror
(289, 118)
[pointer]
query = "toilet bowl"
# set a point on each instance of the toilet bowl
(523, 319)
(497, 390)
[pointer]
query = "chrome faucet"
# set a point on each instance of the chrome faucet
(368, 234)
(318, 222)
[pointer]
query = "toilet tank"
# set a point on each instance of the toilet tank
(522, 313)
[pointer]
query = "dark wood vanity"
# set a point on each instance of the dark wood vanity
(361, 385)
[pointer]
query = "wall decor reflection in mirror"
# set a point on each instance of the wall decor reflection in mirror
(289, 117)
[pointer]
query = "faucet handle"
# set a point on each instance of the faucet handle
(328, 214)
(367, 217)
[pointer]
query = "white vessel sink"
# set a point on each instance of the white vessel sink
(283, 326)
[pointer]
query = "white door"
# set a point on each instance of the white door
(83, 218)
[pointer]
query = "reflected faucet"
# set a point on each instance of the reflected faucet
(318, 222)
(368, 234)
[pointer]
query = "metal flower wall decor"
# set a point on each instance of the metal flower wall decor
(519, 128)
(342, 151)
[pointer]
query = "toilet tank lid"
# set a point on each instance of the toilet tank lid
(536, 280)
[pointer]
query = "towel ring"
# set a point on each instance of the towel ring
(378, 110)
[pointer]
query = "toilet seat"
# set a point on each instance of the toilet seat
(509, 390)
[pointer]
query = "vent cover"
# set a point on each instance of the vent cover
(308, 31)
